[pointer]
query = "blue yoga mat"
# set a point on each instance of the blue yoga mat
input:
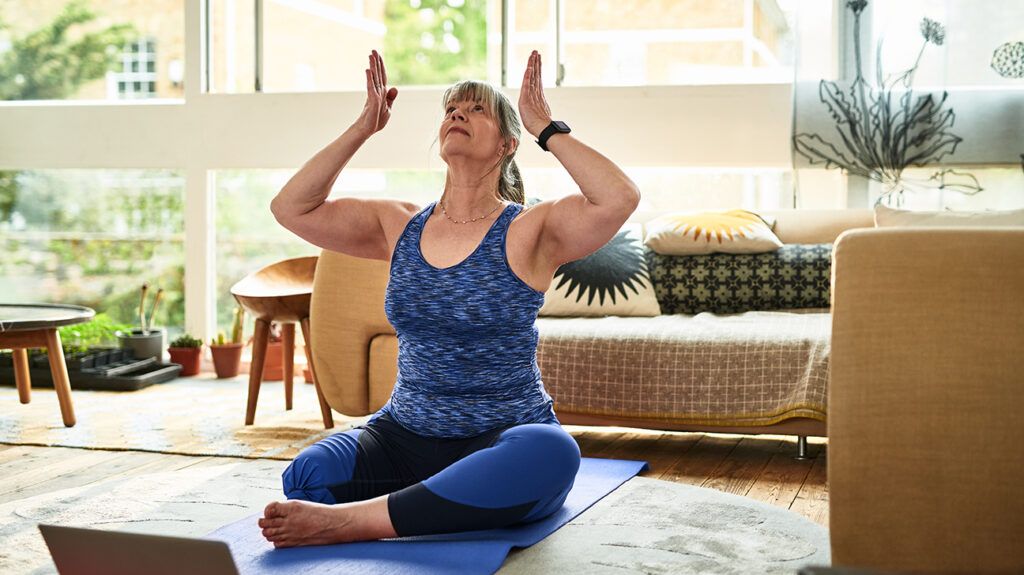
(466, 552)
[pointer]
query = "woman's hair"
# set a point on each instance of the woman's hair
(510, 183)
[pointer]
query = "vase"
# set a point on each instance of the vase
(189, 358)
(227, 359)
(273, 364)
(144, 344)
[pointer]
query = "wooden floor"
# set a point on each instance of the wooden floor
(759, 467)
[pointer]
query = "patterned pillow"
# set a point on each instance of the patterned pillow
(795, 276)
(611, 281)
(690, 233)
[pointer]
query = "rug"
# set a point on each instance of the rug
(198, 415)
(645, 526)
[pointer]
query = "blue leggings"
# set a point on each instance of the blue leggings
(500, 478)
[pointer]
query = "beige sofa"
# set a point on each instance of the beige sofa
(925, 458)
(358, 367)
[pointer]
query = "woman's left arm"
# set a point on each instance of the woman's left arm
(578, 224)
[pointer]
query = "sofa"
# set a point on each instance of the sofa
(925, 462)
(759, 371)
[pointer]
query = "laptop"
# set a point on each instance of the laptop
(80, 551)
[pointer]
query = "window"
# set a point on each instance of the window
(91, 49)
(137, 79)
(658, 42)
(91, 237)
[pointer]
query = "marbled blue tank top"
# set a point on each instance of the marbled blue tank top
(467, 338)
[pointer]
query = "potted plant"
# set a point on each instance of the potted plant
(273, 364)
(145, 341)
(187, 351)
(227, 355)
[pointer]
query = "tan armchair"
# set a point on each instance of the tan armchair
(926, 400)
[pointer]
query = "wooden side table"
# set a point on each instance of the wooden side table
(24, 326)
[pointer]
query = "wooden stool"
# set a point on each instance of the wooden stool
(279, 292)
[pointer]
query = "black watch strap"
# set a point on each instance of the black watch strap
(555, 127)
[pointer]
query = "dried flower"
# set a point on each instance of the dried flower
(1008, 60)
(932, 31)
(857, 5)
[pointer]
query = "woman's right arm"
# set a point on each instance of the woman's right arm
(348, 225)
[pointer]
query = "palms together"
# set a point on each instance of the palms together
(533, 108)
(379, 98)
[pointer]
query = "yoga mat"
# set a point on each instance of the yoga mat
(465, 552)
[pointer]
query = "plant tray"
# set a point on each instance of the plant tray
(99, 368)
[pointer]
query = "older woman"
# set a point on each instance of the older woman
(469, 439)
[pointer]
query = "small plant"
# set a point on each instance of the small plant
(219, 340)
(186, 340)
(97, 332)
(236, 329)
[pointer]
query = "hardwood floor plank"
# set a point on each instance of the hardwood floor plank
(666, 452)
(23, 482)
(701, 460)
(781, 478)
(739, 471)
(593, 443)
(812, 499)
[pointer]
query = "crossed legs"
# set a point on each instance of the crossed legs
(362, 485)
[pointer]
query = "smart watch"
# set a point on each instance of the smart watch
(555, 127)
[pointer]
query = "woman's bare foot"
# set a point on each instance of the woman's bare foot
(296, 522)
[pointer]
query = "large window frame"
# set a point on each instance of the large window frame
(729, 126)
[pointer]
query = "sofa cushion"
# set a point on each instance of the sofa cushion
(793, 277)
(689, 233)
(886, 217)
(754, 368)
(614, 280)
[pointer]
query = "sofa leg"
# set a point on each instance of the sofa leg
(801, 448)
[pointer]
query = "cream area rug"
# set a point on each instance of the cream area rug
(646, 526)
(198, 415)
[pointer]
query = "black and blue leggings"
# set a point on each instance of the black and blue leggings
(500, 478)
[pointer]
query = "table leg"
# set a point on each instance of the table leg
(288, 361)
(325, 408)
(59, 370)
(21, 375)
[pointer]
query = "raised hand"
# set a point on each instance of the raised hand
(533, 108)
(379, 98)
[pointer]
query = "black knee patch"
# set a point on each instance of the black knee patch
(416, 510)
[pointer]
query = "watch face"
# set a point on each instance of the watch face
(561, 126)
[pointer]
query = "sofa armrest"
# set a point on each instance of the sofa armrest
(346, 312)
(926, 399)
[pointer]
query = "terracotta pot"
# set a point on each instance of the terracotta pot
(307, 375)
(273, 364)
(227, 359)
(190, 358)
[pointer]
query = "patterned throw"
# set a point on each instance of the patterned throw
(795, 276)
(754, 368)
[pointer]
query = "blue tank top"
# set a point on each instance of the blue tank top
(467, 338)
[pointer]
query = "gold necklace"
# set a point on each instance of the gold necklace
(445, 212)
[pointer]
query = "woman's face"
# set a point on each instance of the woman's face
(470, 130)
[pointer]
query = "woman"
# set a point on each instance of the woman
(469, 439)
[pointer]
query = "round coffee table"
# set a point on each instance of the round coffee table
(24, 326)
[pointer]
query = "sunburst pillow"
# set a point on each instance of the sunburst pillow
(613, 280)
(696, 233)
